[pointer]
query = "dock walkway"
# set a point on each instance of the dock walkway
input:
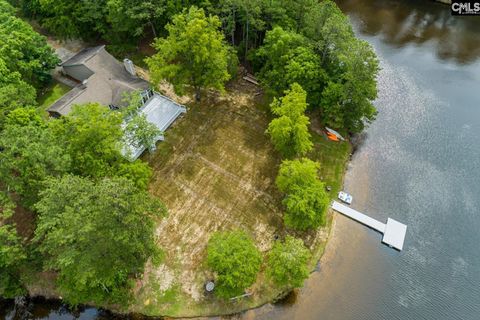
(393, 231)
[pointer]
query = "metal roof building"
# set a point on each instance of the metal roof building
(159, 110)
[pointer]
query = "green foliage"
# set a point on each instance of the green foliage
(131, 17)
(306, 200)
(12, 252)
(138, 172)
(93, 137)
(351, 65)
(287, 263)
(30, 154)
(288, 57)
(337, 70)
(23, 50)
(289, 132)
(236, 261)
(14, 92)
(97, 236)
(92, 134)
(24, 117)
(139, 132)
(193, 53)
(348, 100)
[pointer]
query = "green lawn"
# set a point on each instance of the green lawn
(51, 94)
(216, 171)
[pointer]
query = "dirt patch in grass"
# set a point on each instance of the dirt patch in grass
(216, 171)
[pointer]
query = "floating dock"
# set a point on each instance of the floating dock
(393, 231)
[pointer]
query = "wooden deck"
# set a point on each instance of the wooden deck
(393, 231)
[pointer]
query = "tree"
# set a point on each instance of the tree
(12, 252)
(306, 200)
(348, 100)
(24, 117)
(96, 235)
(30, 154)
(138, 131)
(289, 132)
(14, 92)
(287, 263)
(236, 261)
(133, 16)
(351, 65)
(193, 53)
(287, 57)
(23, 50)
(93, 136)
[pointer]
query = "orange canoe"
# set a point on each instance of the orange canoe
(332, 137)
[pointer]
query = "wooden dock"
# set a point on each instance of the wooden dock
(393, 231)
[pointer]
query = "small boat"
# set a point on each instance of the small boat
(332, 137)
(333, 133)
(345, 197)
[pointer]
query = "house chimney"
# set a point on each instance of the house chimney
(130, 67)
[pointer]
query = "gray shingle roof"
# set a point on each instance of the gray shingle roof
(108, 84)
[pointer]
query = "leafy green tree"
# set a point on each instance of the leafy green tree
(93, 136)
(287, 263)
(289, 132)
(24, 117)
(351, 65)
(287, 57)
(348, 100)
(23, 50)
(138, 172)
(12, 252)
(306, 200)
(139, 132)
(96, 235)
(133, 16)
(30, 154)
(236, 261)
(14, 92)
(193, 53)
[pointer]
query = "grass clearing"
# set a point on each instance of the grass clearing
(216, 171)
(51, 94)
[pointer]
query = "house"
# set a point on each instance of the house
(99, 77)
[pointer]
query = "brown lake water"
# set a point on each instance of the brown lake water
(419, 164)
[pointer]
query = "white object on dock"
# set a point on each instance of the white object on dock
(345, 197)
(393, 231)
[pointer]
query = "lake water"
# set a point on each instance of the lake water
(419, 164)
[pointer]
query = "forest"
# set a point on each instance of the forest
(91, 218)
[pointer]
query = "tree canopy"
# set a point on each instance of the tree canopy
(287, 263)
(193, 53)
(23, 50)
(30, 154)
(288, 57)
(236, 261)
(12, 251)
(97, 235)
(306, 200)
(289, 132)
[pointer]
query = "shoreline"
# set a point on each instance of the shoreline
(318, 254)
